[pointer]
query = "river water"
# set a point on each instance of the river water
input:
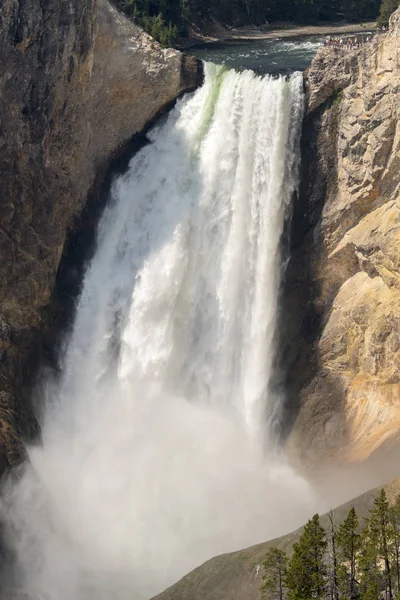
(278, 56)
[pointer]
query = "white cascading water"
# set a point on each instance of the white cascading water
(157, 448)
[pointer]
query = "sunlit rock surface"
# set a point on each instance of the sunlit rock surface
(343, 292)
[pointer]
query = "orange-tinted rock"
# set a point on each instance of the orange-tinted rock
(346, 270)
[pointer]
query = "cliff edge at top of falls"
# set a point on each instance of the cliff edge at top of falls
(342, 295)
(77, 81)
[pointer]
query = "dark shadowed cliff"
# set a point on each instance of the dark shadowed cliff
(77, 81)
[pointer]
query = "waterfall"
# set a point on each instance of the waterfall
(158, 449)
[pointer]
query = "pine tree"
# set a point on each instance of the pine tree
(370, 572)
(275, 566)
(381, 518)
(333, 563)
(306, 577)
(395, 522)
(348, 541)
(386, 9)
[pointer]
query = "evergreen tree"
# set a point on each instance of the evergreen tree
(386, 9)
(275, 566)
(370, 572)
(306, 576)
(395, 522)
(380, 518)
(333, 562)
(348, 541)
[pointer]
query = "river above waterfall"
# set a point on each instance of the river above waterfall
(278, 56)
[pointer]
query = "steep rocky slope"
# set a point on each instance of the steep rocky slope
(238, 575)
(77, 81)
(343, 287)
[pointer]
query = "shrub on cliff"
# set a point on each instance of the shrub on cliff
(166, 34)
(150, 16)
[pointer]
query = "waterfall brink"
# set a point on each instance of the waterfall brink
(158, 450)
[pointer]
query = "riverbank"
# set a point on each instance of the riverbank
(248, 33)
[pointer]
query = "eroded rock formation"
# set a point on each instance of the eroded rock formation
(344, 280)
(77, 80)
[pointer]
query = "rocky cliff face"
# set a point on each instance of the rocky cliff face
(77, 80)
(343, 291)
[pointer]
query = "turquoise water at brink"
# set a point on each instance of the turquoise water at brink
(278, 56)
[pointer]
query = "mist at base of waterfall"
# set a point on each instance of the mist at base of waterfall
(159, 445)
(127, 510)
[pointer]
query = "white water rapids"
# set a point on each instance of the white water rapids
(158, 449)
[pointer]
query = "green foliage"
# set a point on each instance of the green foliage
(386, 9)
(370, 570)
(394, 516)
(357, 564)
(306, 576)
(185, 10)
(380, 521)
(166, 20)
(349, 544)
(164, 33)
(337, 97)
(275, 567)
(150, 14)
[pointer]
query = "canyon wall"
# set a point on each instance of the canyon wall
(342, 297)
(77, 81)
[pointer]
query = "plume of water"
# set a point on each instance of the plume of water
(153, 453)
